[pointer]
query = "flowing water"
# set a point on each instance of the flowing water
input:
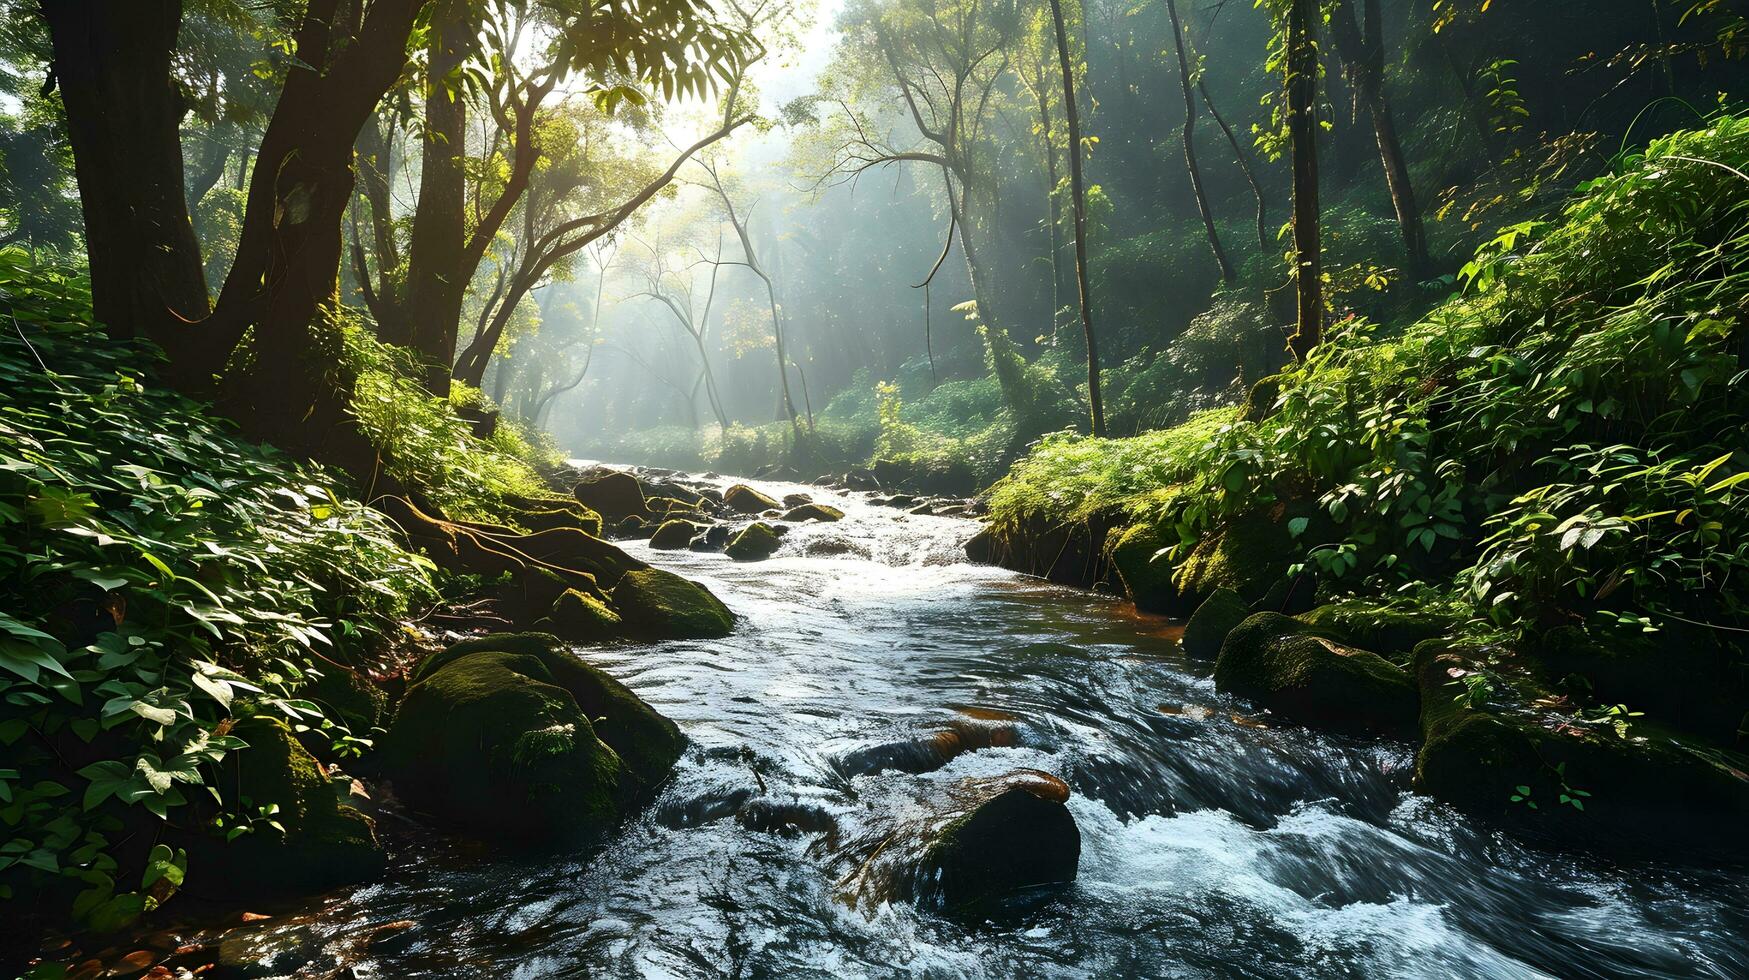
(1214, 843)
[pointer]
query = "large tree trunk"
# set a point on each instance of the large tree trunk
(1095, 405)
(1363, 55)
(1302, 99)
(112, 62)
(293, 389)
(1202, 199)
(435, 279)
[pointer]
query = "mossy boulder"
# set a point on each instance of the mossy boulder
(1680, 676)
(348, 695)
(1208, 627)
(659, 603)
(1018, 837)
(675, 534)
(743, 499)
(814, 512)
(1389, 631)
(582, 618)
(512, 737)
(613, 495)
(1652, 791)
(756, 541)
(326, 842)
(1249, 555)
(1283, 665)
(1147, 581)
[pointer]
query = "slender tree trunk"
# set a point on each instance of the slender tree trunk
(1053, 207)
(111, 60)
(1096, 406)
(376, 175)
(435, 286)
(1302, 99)
(1202, 199)
(1362, 53)
(1244, 165)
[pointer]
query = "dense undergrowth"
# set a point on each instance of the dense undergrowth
(1562, 444)
(169, 579)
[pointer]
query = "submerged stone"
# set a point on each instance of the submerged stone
(1018, 839)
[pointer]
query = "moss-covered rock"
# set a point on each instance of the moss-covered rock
(756, 541)
(1249, 555)
(675, 534)
(1283, 665)
(743, 499)
(1388, 631)
(1208, 627)
(582, 618)
(1147, 581)
(325, 843)
(659, 603)
(1680, 676)
(814, 512)
(613, 495)
(512, 736)
(1653, 791)
(347, 695)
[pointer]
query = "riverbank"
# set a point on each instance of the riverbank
(1510, 531)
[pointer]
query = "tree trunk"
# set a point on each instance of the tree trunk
(1095, 405)
(1363, 56)
(285, 279)
(376, 176)
(1202, 199)
(111, 60)
(435, 284)
(1302, 99)
(1053, 210)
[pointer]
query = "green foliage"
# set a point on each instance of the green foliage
(1564, 441)
(165, 578)
(427, 444)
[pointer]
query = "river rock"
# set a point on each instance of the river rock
(756, 541)
(582, 618)
(793, 500)
(325, 843)
(743, 499)
(1208, 627)
(1648, 791)
(1147, 579)
(861, 480)
(1389, 631)
(999, 838)
(612, 495)
(675, 534)
(1281, 664)
(814, 512)
(658, 603)
(512, 737)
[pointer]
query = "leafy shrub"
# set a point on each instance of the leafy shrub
(164, 578)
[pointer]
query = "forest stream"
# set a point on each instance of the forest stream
(1214, 842)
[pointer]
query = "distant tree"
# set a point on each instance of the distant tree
(1096, 406)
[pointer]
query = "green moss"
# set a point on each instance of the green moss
(580, 617)
(815, 512)
(490, 740)
(1386, 630)
(743, 499)
(1283, 665)
(675, 534)
(324, 842)
(1147, 580)
(1208, 627)
(757, 540)
(1654, 791)
(1249, 555)
(655, 602)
